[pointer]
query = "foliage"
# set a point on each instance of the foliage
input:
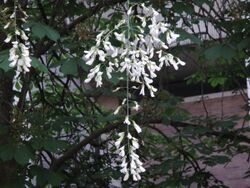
(55, 132)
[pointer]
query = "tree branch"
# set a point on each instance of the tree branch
(71, 152)
(92, 11)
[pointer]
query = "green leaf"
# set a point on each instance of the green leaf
(247, 117)
(45, 176)
(3, 129)
(40, 173)
(115, 78)
(38, 65)
(201, 2)
(243, 44)
(219, 50)
(54, 145)
(69, 67)
(54, 179)
(17, 182)
(37, 143)
(216, 159)
(216, 81)
(23, 155)
(221, 159)
(4, 62)
(185, 35)
(181, 7)
(7, 152)
(41, 30)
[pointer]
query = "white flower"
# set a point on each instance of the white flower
(12, 15)
(108, 46)
(8, 39)
(24, 36)
(124, 170)
(126, 121)
(7, 25)
(147, 80)
(152, 90)
(129, 136)
(134, 156)
(91, 55)
(129, 11)
(137, 127)
(114, 53)
(17, 32)
(136, 107)
(98, 79)
(171, 37)
(126, 176)
(122, 151)
(119, 140)
(19, 55)
(99, 37)
(142, 169)
(135, 143)
(27, 29)
(124, 101)
(133, 165)
(116, 89)
(136, 177)
(145, 9)
(102, 55)
(23, 60)
(117, 110)
(120, 37)
(109, 70)
(124, 162)
(142, 92)
(92, 73)
(117, 26)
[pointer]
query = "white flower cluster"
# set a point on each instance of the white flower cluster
(136, 53)
(19, 55)
(131, 163)
(140, 51)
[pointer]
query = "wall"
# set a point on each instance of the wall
(232, 173)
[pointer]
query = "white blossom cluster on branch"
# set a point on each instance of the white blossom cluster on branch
(138, 47)
(19, 55)
(139, 54)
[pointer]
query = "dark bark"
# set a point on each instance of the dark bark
(74, 150)
(7, 168)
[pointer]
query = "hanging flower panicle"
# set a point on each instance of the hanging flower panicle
(19, 55)
(141, 54)
(130, 162)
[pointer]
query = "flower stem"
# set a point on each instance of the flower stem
(15, 22)
(127, 93)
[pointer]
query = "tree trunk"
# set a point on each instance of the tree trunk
(7, 168)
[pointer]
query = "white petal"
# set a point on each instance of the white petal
(102, 55)
(135, 178)
(126, 177)
(137, 127)
(117, 110)
(17, 32)
(129, 136)
(129, 11)
(7, 25)
(142, 92)
(135, 144)
(8, 39)
(126, 121)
